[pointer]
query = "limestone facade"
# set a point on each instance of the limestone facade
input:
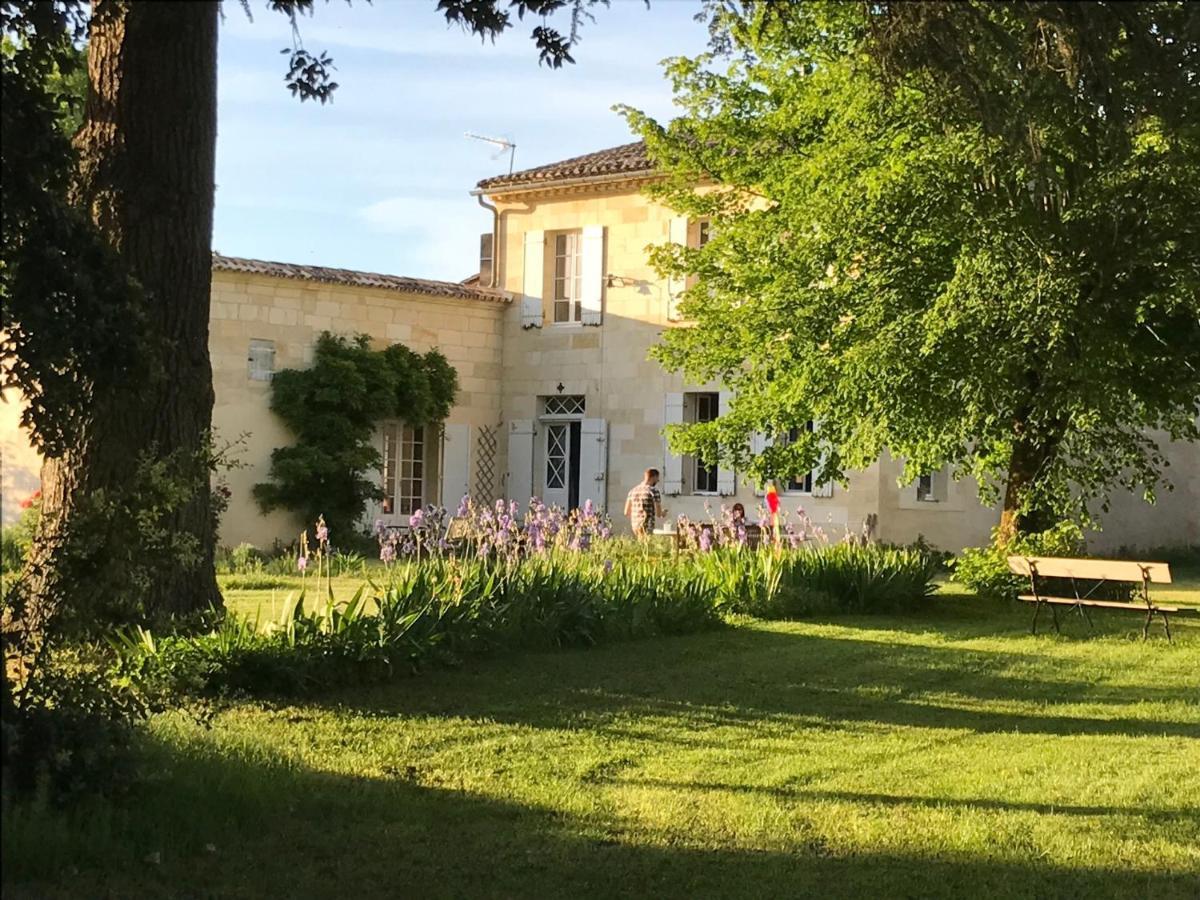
(558, 397)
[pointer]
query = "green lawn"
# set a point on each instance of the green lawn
(944, 754)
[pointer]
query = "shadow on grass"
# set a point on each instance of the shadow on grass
(229, 826)
(1187, 816)
(774, 679)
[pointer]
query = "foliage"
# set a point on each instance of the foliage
(984, 570)
(488, 18)
(333, 409)
(70, 728)
(68, 725)
(16, 539)
(987, 260)
(244, 558)
(845, 578)
(438, 611)
(71, 325)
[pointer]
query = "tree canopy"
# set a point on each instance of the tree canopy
(964, 233)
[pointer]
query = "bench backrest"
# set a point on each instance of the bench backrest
(1095, 569)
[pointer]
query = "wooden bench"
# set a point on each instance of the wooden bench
(1097, 571)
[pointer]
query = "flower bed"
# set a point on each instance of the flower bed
(547, 579)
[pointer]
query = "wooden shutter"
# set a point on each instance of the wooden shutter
(591, 271)
(486, 258)
(726, 478)
(374, 508)
(593, 462)
(261, 359)
(519, 486)
(676, 283)
(533, 277)
(456, 465)
(672, 479)
(758, 443)
(826, 489)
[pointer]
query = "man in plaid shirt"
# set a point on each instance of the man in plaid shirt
(644, 504)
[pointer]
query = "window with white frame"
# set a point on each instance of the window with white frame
(565, 405)
(568, 280)
(261, 360)
(404, 448)
(701, 406)
(800, 483)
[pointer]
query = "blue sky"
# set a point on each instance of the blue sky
(378, 180)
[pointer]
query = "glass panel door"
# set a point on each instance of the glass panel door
(558, 456)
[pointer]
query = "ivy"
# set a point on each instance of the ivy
(333, 408)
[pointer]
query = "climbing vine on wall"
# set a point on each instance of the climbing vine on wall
(333, 409)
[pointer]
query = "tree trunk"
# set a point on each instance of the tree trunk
(1029, 459)
(147, 156)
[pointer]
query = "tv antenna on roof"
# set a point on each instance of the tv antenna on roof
(502, 143)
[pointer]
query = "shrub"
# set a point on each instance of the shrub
(440, 610)
(984, 570)
(841, 577)
(68, 727)
(16, 540)
(259, 581)
(333, 408)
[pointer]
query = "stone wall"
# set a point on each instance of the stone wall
(292, 313)
(610, 365)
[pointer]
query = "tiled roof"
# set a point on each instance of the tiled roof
(352, 278)
(628, 159)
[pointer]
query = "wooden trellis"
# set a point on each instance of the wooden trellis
(486, 444)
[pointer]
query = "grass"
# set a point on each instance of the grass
(933, 755)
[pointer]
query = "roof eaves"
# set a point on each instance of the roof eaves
(353, 278)
(547, 184)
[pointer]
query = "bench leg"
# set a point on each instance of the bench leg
(1166, 625)
(1146, 627)
(1037, 608)
(1054, 618)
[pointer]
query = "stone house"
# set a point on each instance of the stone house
(557, 396)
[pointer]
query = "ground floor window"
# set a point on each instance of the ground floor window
(404, 448)
(800, 483)
(925, 488)
(701, 406)
(933, 487)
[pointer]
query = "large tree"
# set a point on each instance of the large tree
(965, 233)
(106, 278)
